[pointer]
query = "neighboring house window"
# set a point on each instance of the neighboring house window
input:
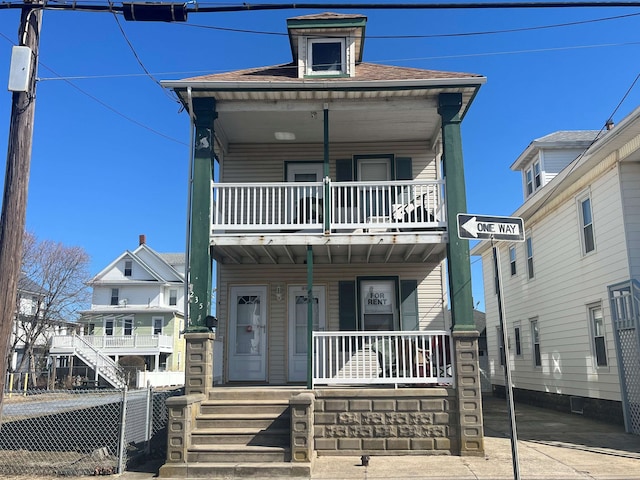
(533, 178)
(89, 328)
(108, 327)
(173, 296)
(128, 265)
(512, 259)
(537, 180)
(114, 296)
(516, 334)
(500, 345)
(529, 256)
(326, 56)
(599, 339)
(34, 305)
(157, 325)
(127, 326)
(586, 223)
(535, 341)
(529, 180)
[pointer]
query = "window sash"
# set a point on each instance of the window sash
(115, 294)
(586, 219)
(128, 266)
(530, 257)
(516, 335)
(512, 259)
(535, 340)
(326, 56)
(599, 339)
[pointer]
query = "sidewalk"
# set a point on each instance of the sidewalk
(551, 445)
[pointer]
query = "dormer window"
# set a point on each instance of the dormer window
(326, 56)
(533, 178)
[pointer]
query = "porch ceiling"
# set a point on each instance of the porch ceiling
(368, 120)
(337, 249)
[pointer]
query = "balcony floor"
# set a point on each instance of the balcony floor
(337, 248)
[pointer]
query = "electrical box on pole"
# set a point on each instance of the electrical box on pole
(20, 69)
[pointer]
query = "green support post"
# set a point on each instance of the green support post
(327, 189)
(310, 302)
(458, 260)
(200, 273)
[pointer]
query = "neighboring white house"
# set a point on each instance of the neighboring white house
(136, 310)
(31, 334)
(571, 291)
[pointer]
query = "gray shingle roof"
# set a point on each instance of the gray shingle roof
(568, 136)
(364, 71)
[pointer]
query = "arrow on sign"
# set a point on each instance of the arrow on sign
(473, 226)
(485, 228)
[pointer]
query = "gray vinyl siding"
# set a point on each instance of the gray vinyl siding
(430, 295)
(565, 282)
(555, 160)
(265, 163)
(630, 188)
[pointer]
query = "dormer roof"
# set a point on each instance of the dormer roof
(569, 139)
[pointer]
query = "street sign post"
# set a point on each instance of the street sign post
(481, 227)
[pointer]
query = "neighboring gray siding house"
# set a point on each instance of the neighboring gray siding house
(571, 290)
(330, 229)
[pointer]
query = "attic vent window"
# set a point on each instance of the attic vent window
(326, 57)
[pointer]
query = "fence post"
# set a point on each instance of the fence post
(122, 446)
(149, 420)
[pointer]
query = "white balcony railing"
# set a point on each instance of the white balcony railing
(116, 342)
(365, 358)
(289, 207)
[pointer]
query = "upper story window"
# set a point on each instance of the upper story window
(586, 224)
(173, 296)
(529, 244)
(157, 325)
(518, 340)
(108, 326)
(115, 296)
(512, 259)
(127, 326)
(128, 265)
(326, 56)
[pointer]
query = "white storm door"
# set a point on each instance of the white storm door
(248, 334)
(298, 309)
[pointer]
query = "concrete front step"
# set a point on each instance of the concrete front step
(237, 454)
(271, 406)
(232, 420)
(237, 470)
(242, 436)
(253, 393)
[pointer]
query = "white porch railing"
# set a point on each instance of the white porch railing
(364, 358)
(288, 206)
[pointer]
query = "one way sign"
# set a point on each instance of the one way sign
(478, 227)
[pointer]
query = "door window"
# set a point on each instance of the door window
(248, 325)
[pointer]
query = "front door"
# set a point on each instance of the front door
(376, 201)
(307, 200)
(298, 309)
(248, 333)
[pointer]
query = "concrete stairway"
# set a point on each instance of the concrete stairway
(244, 432)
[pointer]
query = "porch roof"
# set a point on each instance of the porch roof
(347, 248)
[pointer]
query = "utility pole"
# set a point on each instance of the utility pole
(16, 183)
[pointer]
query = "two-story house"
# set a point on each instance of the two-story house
(329, 222)
(31, 333)
(571, 292)
(136, 310)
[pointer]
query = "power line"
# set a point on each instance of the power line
(200, 8)
(434, 35)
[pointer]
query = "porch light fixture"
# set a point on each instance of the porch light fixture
(279, 295)
(285, 136)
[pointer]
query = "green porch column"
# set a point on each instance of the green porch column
(459, 267)
(201, 192)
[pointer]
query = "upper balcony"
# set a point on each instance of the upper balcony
(343, 222)
(113, 344)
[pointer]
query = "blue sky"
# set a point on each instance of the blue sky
(110, 149)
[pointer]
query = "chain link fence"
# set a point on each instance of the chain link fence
(81, 432)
